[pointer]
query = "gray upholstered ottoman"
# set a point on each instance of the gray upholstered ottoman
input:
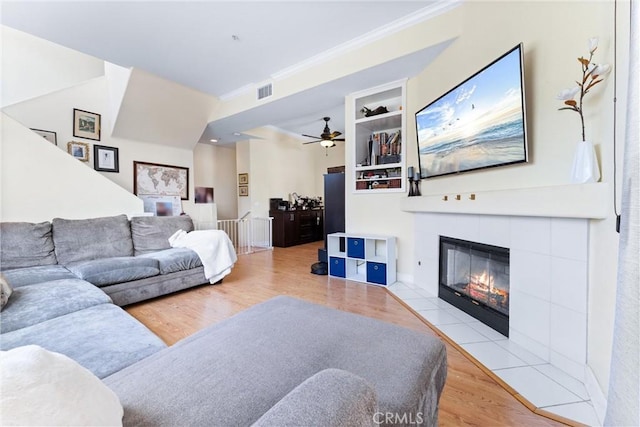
(233, 372)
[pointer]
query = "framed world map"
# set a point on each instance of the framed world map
(160, 180)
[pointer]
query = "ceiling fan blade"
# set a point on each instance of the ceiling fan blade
(311, 136)
(337, 139)
(335, 133)
(311, 142)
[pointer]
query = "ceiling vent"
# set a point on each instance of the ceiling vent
(265, 91)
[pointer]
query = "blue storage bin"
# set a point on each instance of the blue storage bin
(377, 273)
(355, 248)
(337, 267)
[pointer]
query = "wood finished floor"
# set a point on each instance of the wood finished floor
(470, 397)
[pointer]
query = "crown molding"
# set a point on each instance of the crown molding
(437, 8)
(285, 132)
(381, 32)
(237, 92)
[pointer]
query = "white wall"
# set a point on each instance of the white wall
(161, 112)
(554, 35)
(603, 240)
(40, 182)
(324, 158)
(243, 165)
(55, 112)
(33, 67)
(117, 82)
(280, 165)
(215, 166)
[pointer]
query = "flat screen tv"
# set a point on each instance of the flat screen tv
(478, 124)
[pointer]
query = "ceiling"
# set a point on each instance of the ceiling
(224, 47)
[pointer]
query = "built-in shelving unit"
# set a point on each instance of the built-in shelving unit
(379, 147)
(369, 259)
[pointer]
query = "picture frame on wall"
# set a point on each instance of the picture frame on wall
(105, 159)
(86, 124)
(48, 135)
(203, 195)
(162, 205)
(160, 180)
(243, 190)
(79, 150)
(243, 179)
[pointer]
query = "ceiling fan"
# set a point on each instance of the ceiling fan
(327, 138)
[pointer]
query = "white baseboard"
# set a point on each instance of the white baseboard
(405, 278)
(598, 398)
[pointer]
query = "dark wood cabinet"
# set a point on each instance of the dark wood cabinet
(296, 227)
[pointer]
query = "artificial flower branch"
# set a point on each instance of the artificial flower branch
(592, 74)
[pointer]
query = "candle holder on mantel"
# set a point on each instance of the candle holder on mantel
(414, 182)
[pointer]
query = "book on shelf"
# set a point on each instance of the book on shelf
(384, 148)
(394, 143)
(379, 146)
(390, 147)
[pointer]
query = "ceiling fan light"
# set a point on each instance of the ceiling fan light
(327, 143)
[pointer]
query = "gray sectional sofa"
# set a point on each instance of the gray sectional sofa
(130, 260)
(282, 362)
(70, 277)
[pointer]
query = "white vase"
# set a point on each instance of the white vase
(585, 167)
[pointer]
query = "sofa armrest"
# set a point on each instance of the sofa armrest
(331, 397)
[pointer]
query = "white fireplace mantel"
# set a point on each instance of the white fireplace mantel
(562, 201)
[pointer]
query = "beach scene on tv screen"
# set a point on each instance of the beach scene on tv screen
(478, 124)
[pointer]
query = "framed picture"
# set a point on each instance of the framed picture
(162, 205)
(48, 135)
(86, 124)
(243, 190)
(105, 159)
(243, 179)
(79, 150)
(204, 195)
(160, 180)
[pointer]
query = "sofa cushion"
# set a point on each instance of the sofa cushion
(40, 387)
(107, 271)
(175, 259)
(151, 233)
(25, 244)
(85, 239)
(131, 292)
(36, 303)
(32, 275)
(103, 338)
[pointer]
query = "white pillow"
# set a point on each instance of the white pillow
(40, 387)
(5, 291)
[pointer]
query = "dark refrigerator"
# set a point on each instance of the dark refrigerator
(333, 208)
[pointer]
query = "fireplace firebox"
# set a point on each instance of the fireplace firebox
(474, 277)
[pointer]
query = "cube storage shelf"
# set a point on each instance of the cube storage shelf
(369, 259)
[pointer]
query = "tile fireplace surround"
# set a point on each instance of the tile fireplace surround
(547, 232)
(548, 283)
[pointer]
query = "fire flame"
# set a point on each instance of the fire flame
(483, 280)
(481, 287)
